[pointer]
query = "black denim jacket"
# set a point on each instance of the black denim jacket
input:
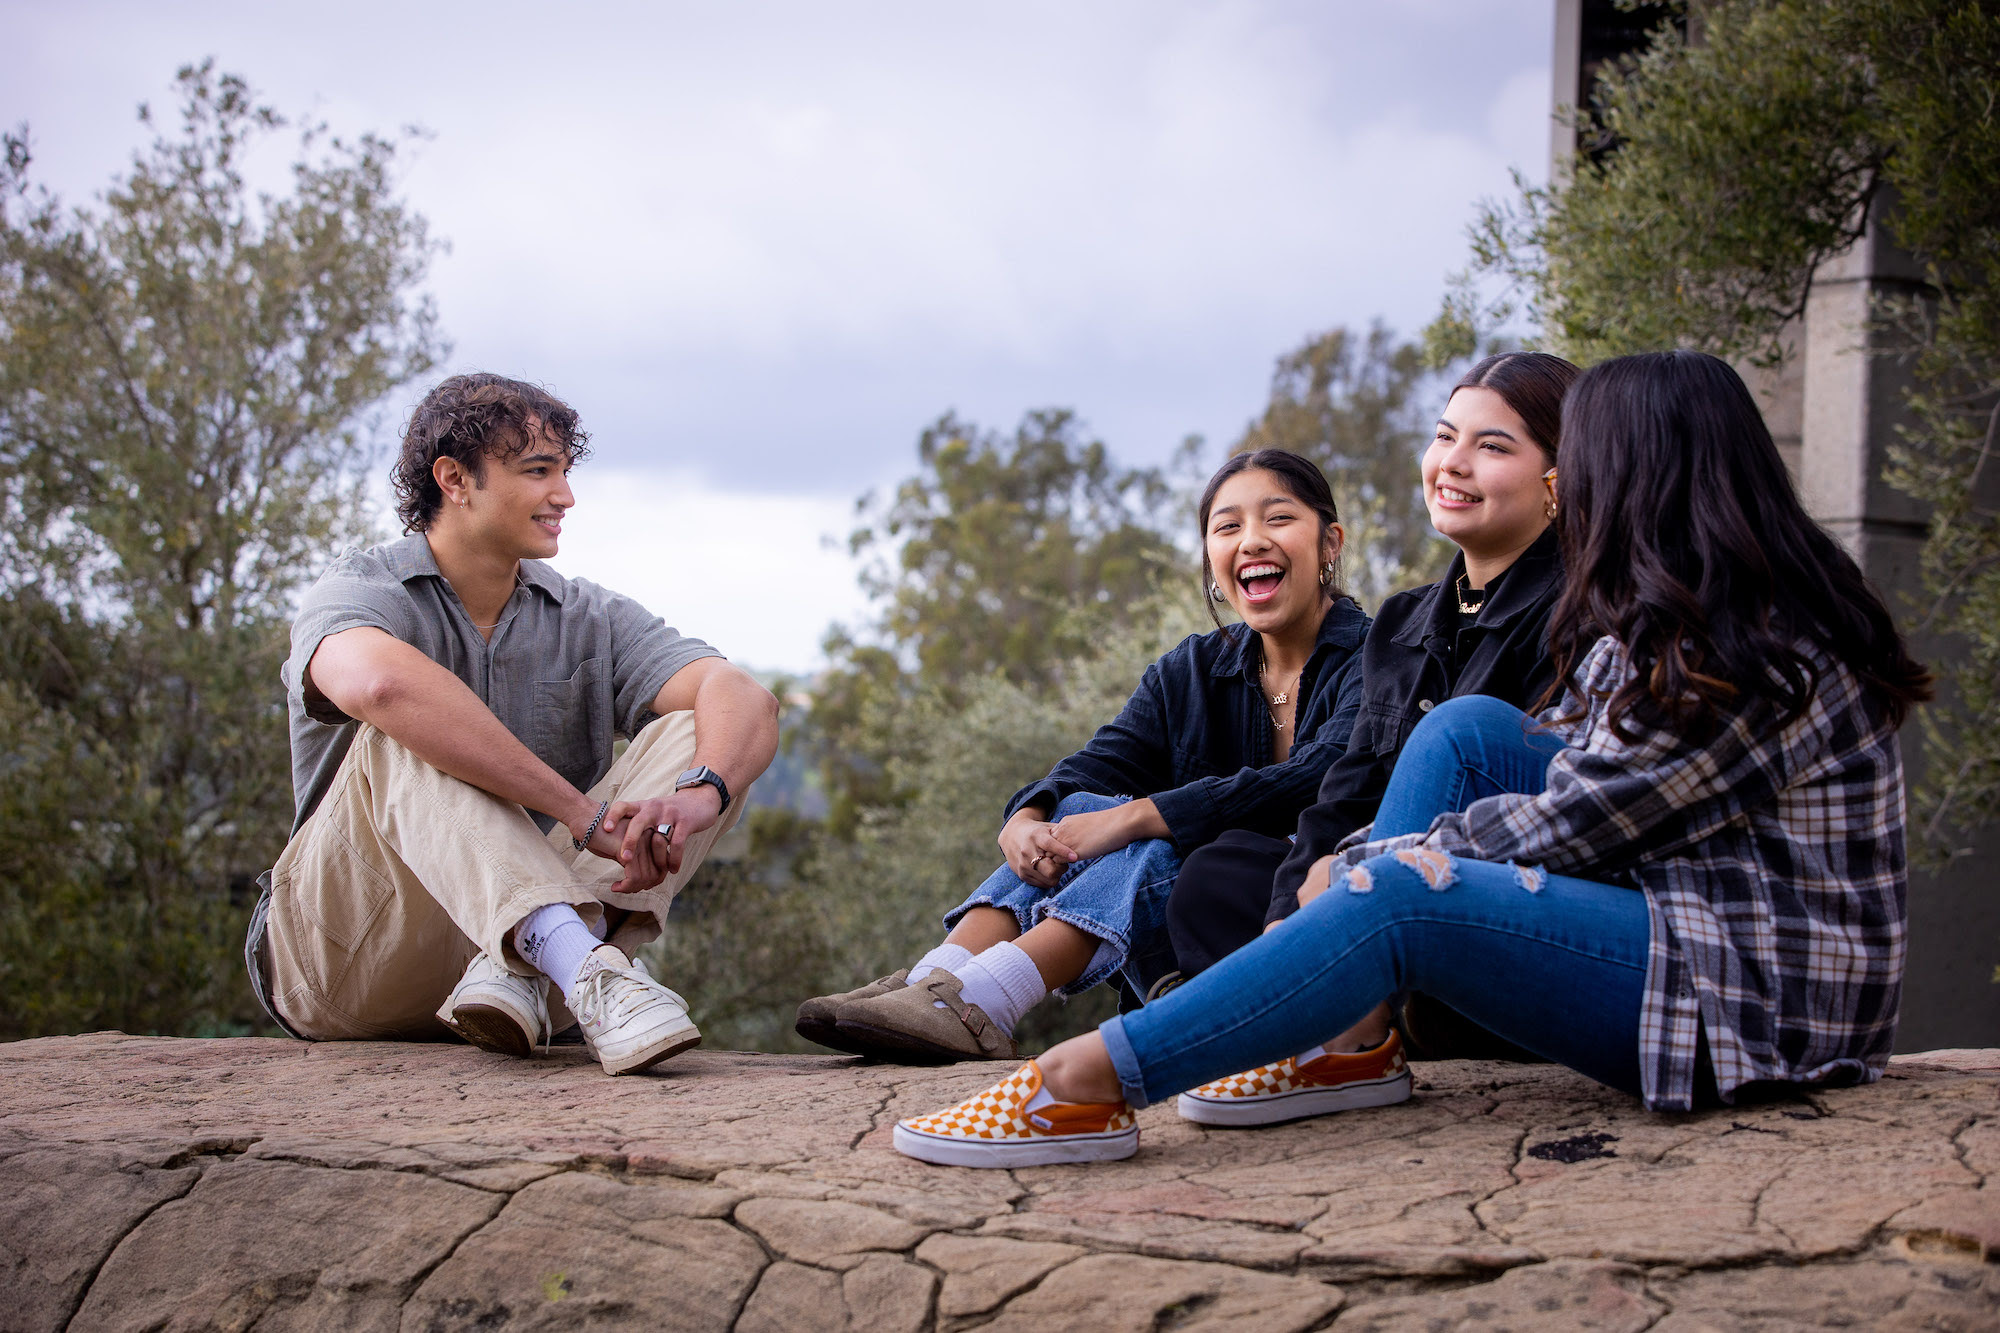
(1196, 736)
(1415, 658)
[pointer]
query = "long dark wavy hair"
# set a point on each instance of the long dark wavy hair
(1302, 480)
(1684, 540)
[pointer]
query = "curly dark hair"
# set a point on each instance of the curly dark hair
(473, 418)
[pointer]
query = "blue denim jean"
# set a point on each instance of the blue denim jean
(1119, 897)
(1555, 965)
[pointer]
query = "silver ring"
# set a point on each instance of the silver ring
(664, 830)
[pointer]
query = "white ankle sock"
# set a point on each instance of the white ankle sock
(947, 957)
(554, 941)
(1004, 982)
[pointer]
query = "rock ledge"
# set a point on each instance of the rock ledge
(151, 1182)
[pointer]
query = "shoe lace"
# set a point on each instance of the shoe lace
(614, 994)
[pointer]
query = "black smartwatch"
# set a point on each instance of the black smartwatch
(694, 777)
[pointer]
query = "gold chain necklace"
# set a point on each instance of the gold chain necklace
(1468, 607)
(1283, 697)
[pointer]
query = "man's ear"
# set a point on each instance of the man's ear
(454, 478)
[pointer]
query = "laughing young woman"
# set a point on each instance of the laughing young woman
(1482, 629)
(1698, 895)
(1232, 729)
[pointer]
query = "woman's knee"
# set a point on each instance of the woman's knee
(1466, 714)
(1083, 803)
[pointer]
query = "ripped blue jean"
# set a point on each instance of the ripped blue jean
(1555, 965)
(1119, 897)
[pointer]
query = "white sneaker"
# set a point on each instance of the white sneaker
(496, 1010)
(629, 1020)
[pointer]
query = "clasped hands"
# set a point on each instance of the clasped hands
(647, 837)
(1039, 851)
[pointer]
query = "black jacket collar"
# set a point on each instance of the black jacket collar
(1520, 588)
(1344, 626)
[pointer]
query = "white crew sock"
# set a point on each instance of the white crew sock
(554, 941)
(1004, 982)
(947, 957)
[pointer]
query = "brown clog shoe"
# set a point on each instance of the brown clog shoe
(907, 1027)
(819, 1016)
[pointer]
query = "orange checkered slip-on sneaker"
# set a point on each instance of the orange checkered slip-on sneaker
(1289, 1090)
(1013, 1123)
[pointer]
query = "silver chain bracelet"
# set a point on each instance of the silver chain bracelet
(591, 832)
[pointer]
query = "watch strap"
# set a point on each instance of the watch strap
(700, 774)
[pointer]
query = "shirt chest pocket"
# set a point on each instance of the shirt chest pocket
(1382, 729)
(569, 723)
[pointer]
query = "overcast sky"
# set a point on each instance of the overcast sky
(760, 246)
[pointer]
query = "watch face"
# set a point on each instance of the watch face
(703, 776)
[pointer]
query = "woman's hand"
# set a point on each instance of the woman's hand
(1099, 832)
(1033, 849)
(1317, 880)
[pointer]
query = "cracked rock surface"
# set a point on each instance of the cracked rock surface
(162, 1183)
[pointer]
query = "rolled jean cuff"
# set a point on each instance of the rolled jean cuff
(1023, 913)
(1125, 1062)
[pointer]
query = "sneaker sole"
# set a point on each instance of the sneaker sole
(1299, 1104)
(491, 1028)
(646, 1058)
(902, 1048)
(1030, 1152)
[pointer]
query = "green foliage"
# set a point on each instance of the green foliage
(1001, 556)
(1742, 161)
(183, 373)
(1361, 408)
(873, 899)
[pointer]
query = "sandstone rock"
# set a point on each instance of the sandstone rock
(1116, 1293)
(826, 1233)
(280, 1245)
(583, 1251)
(980, 1272)
(243, 1183)
(1547, 1298)
(61, 1211)
(877, 1295)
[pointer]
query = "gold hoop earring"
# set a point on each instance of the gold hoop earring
(1326, 575)
(1549, 511)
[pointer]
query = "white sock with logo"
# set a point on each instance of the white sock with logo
(1004, 982)
(554, 940)
(947, 957)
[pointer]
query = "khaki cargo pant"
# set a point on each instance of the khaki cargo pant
(404, 873)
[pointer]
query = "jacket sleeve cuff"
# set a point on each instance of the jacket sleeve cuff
(1284, 902)
(1044, 794)
(1189, 816)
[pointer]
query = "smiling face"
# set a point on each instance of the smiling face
(515, 507)
(1483, 477)
(1265, 549)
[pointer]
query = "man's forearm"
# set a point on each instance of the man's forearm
(735, 728)
(419, 703)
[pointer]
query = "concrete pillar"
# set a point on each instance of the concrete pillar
(1852, 403)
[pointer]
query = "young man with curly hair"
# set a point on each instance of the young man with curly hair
(463, 834)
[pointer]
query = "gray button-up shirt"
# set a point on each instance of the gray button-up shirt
(571, 667)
